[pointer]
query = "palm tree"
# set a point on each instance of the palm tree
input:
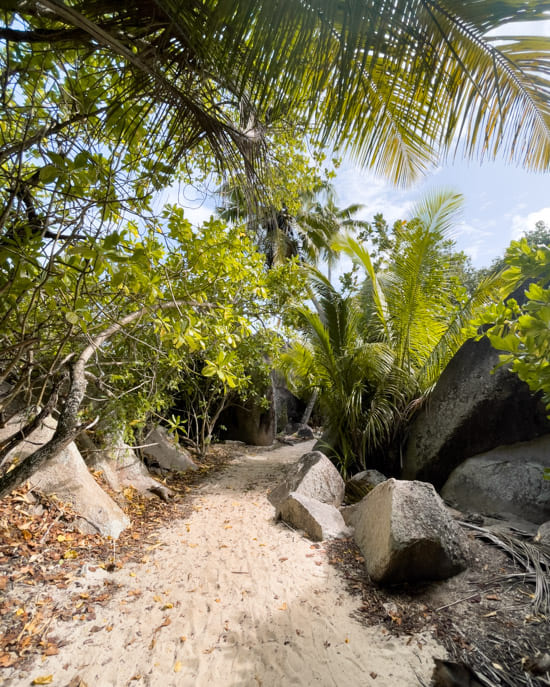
(319, 223)
(395, 82)
(373, 357)
(351, 375)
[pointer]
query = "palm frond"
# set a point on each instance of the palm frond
(396, 83)
(491, 289)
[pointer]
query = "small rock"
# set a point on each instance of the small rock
(315, 477)
(318, 520)
(361, 484)
(543, 534)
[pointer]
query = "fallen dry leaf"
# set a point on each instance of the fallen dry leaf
(43, 680)
(7, 660)
(51, 650)
(177, 666)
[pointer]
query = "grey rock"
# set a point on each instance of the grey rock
(350, 514)
(319, 521)
(67, 477)
(405, 534)
(315, 477)
(122, 468)
(471, 410)
(288, 407)
(249, 422)
(360, 484)
(163, 450)
(507, 480)
(543, 534)
(300, 430)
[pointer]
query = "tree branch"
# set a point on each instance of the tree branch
(68, 427)
(45, 132)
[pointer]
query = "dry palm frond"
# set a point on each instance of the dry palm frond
(532, 558)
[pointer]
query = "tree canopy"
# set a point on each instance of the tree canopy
(394, 82)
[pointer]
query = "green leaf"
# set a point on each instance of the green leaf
(49, 173)
(72, 317)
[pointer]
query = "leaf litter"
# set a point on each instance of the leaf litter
(492, 617)
(41, 549)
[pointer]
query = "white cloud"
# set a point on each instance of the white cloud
(354, 185)
(523, 223)
(198, 204)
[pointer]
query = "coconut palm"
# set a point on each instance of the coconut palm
(319, 223)
(351, 375)
(395, 82)
(374, 356)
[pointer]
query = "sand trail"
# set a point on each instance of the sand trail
(229, 598)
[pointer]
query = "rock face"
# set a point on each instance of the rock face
(122, 468)
(406, 534)
(288, 408)
(507, 479)
(67, 477)
(361, 484)
(318, 520)
(469, 412)
(250, 423)
(315, 477)
(166, 452)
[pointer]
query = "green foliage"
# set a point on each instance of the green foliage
(372, 356)
(394, 103)
(352, 375)
(522, 330)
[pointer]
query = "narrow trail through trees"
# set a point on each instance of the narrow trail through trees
(228, 597)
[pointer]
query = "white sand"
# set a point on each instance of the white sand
(249, 602)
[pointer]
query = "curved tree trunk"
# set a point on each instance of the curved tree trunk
(68, 426)
(309, 408)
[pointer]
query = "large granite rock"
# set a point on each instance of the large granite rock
(506, 480)
(67, 477)
(471, 410)
(288, 407)
(121, 467)
(405, 534)
(315, 477)
(162, 449)
(358, 486)
(249, 422)
(319, 521)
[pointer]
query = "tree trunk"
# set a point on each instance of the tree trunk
(309, 408)
(68, 426)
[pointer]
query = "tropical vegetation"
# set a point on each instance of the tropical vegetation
(373, 355)
(113, 303)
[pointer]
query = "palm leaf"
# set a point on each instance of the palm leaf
(396, 83)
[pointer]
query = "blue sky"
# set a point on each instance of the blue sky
(500, 201)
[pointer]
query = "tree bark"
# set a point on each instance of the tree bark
(309, 407)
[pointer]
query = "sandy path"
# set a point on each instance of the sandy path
(230, 598)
